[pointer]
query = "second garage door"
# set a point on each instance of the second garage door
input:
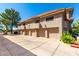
(41, 33)
(33, 33)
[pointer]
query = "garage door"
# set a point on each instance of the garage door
(33, 33)
(53, 33)
(41, 33)
(26, 32)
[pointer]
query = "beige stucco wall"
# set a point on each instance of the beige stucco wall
(56, 22)
(22, 26)
(53, 23)
(34, 25)
(27, 26)
(68, 14)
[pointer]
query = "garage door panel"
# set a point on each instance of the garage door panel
(55, 36)
(27, 33)
(53, 32)
(33, 32)
(41, 33)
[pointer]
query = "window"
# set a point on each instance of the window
(49, 18)
(37, 21)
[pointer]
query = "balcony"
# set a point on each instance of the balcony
(34, 25)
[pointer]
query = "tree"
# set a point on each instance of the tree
(13, 16)
(76, 24)
(4, 25)
(75, 29)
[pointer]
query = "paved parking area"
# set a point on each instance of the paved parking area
(9, 48)
(31, 46)
(38, 45)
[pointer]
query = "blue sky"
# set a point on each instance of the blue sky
(28, 10)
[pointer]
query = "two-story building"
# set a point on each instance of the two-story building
(50, 24)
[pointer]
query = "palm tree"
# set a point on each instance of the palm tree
(4, 25)
(13, 16)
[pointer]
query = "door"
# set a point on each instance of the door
(41, 33)
(53, 33)
(33, 33)
(26, 32)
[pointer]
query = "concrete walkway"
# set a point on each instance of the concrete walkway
(37, 46)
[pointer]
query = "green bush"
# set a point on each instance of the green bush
(67, 38)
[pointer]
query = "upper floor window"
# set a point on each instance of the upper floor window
(49, 18)
(37, 21)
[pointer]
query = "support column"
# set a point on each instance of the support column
(23, 32)
(30, 33)
(36, 33)
(46, 33)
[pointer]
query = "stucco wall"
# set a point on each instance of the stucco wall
(56, 22)
(27, 26)
(22, 26)
(53, 23)
(46, 24)
(34, 25)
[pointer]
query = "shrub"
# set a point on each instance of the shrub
(67, 38)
